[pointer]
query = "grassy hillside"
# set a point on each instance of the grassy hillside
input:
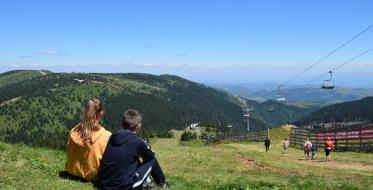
(42, 110)
(360, 110)
(19, 75)
(229, 165)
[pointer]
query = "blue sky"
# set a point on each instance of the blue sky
(203, 40)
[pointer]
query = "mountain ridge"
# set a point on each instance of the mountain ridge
(352, 111)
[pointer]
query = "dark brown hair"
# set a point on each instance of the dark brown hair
(131, 119)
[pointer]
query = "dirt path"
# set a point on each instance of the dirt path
(334, 164)
(42, 72)
(10, 101)
(277, 157)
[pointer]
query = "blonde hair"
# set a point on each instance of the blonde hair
(89, 121)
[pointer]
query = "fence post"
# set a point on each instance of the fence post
(360, 138)
(245, 133)
(347, 140)
(295, 137)
(335, 139)
(317, 146)
(256, 135)
(308, 134)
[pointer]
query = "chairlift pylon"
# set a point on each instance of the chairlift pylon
(328, 84)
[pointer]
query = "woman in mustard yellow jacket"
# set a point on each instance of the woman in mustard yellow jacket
(87, 142)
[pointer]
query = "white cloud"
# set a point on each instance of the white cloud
(51, 52)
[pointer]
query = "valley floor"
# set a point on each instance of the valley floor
(228, 165)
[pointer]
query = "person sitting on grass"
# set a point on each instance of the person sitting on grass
(121, 167)
(87, 143)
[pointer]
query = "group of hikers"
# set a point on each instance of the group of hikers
(119, 160)
(308, 147)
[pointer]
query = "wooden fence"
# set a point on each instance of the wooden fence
(242, 134)
(346, 139)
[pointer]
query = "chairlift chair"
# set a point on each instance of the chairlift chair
(328, 84)
(281, 97)
(270, 109)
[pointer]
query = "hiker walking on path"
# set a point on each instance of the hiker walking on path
(307, 148)
(328, 148)
(286, 145)
(87, 142)
(313, 150)
(267, 143)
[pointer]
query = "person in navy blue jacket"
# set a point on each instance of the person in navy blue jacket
(121, 167)
(313, 150)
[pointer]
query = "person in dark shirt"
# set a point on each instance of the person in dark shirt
(121, 167)
(267, 143)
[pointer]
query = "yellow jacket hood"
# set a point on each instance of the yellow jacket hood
(82, 160)
(75, 136)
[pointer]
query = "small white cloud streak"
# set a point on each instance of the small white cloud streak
(211, 66)
(51, 52)
(26, 56)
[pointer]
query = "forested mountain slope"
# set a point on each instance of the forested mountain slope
(19, 75)
(360, 110)
(43, 109)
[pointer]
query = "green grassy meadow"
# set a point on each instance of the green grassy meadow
(193, 165)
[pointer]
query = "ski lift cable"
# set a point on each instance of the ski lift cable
(326, 56)
(338, 67)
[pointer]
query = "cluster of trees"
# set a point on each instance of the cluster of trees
(37, 137)
(187, 135)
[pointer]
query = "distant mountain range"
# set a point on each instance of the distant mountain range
(293, 94)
